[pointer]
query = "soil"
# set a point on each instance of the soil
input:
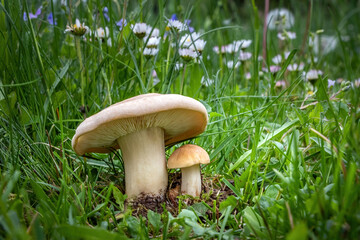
(143, 203)
(212, 189)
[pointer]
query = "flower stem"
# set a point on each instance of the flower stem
(82, 83)
(142, 64)
(168, 57)
(183, 80)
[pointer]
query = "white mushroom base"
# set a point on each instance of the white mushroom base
(191, 180)
(145, 162)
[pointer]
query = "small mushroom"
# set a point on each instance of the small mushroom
(189, 157)
(141, 127)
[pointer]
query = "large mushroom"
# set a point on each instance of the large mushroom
(141, 127)
(188, 158)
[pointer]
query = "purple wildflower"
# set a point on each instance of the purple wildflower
(173, 17)
(105, 13)
(272, 69)
(187, 22)
(32, 15)
(51, 19)
(331, 83)
(122, 23)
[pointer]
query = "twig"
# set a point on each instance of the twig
(343, 168)
(306, 29)
(333, 97)
(265, 31)
(28, 231)
(325, 138)
(290, 215)
(52, 154)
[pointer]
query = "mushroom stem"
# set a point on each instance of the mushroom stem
(145, 162)
(191, 180)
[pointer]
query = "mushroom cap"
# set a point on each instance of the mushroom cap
(187, 156)
(180, 117)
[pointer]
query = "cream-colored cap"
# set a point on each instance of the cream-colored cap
(180, 117)
(187, 156)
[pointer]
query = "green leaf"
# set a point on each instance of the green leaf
(82, 232)
(8, 186)
(280, 175)
(58, 98)
(272, 191)
(185, 213)
(154, 219)
(215, 114)
(299, 232)
(254, 221)
(235, 190)
(315, 113)
(199, 208)
(321, 94)
(25, 116)
(271, 136)
(230, 201)
(228, 210)
(119, 198)
(243, 178)
(198, 230)
(6, 105)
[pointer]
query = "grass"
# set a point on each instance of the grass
(288, 158)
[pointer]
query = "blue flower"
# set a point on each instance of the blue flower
(105, 13)
(122, 23)
(32, 15)
(173, 17)
(50, 19)
(187, 22)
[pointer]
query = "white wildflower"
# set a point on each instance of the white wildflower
(218, 50)
(277, 59)
(286, 35)
(357, 82)
(77, 29)
(150, 52)
(272, 69)
(231, 64)
(280, 19)
(139, 29)
(178, 66)
(199, 45)
(243, 43)
(323, 44)
(187, 54)
(176, 26)
(193, 42)
(156, 80)
(244, 56)
(101, 33)
(312, 75)
(295, 67)
(280, 84)
(152, 42)
(108, 42)
(152, 32)
(206, 81)
(187, 40)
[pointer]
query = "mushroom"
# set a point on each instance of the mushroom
(189, 157)
(141, 127)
